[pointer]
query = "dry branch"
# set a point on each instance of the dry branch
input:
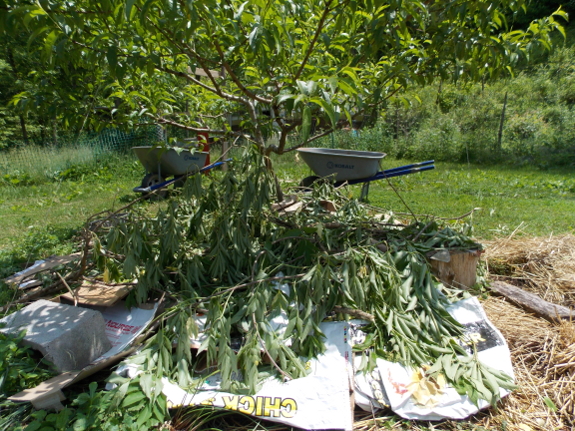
(532, 302)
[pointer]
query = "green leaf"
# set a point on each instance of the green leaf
(283, 97)
(129, 5)
(144, 416)
(549, 403)
(112, 56)
(240, 10)
(146, 382)
(306, 123)
(133, 398)
(327, 108)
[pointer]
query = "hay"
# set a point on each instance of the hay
(536, 347)
(544, 266)
(543, 354)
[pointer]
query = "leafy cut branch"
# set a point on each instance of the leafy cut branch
(222, 252)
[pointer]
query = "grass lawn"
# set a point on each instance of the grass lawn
(537, 202)
(40, 215)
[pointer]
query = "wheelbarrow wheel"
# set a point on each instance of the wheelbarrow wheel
(308, 181)
(151, 180)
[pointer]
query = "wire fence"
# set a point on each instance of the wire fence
(67, 150)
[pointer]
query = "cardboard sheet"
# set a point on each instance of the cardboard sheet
(96, 295)
(319, 401)
(123, 326)
(447, 403)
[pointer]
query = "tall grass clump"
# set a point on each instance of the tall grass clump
(37, 164)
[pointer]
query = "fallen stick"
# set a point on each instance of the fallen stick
(48, 263)
(43, 291)
(72, 292)
(358, 314)
(532, 302)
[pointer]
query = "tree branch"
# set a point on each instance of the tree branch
(354, 313)
(321, 135)
(234, 77)
(311, 46)
(201, 84)
(251, 283)
(264, 348)
(163, 120)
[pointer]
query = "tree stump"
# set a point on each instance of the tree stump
(455, 268)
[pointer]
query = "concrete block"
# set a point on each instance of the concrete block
(69, 337)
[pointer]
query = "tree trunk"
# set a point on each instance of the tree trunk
(438, 97)
(269, 167)
(10, 55)
(457, 268)
(54, 132)
(225, 148)
(42, 131)
(24, 130)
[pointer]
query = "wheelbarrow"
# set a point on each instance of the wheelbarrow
(353, 167)
(154, 187)
(162, 163)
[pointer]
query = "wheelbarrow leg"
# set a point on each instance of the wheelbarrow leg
(364, 191)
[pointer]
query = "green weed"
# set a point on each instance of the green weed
(20, 368)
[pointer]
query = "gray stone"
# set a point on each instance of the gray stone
(69, 337)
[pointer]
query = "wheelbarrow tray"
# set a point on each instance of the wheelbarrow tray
(169, 162)
(346, 165)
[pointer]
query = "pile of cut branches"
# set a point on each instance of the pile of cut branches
(221, 249)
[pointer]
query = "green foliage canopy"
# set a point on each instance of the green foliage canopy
(281, 65)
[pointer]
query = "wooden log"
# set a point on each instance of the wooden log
(531, 302)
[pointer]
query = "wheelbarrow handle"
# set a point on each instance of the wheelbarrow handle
(414, 165)
(395, 172)
(167, 183)
(385, 174)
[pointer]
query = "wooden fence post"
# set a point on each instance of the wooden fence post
(500, 134)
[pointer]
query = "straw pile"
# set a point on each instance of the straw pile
(543, 353)
(544, 266)
(543, 357)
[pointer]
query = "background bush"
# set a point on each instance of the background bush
(460, 123)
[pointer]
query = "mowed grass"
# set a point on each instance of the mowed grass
(64, 203)
(531, 201)
(503, 199)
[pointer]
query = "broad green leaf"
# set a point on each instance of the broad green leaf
(133, 399)
(128, 9)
